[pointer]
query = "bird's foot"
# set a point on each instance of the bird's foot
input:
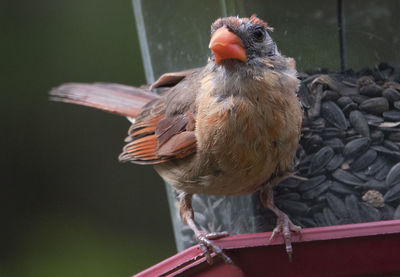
(208, 247)
(285, 226)
(204, 239)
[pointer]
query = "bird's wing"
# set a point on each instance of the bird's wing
(163, 127)
(164, 130)
(142, 142)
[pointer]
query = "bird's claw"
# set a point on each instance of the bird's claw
(286, 226)
(208, 247)
(216, 235)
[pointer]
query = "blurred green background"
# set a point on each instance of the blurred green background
(68, 208)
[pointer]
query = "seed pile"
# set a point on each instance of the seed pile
(349, 150)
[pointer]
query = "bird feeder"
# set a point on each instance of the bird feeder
(348, 58)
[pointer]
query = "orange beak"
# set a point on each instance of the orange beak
(226, 45)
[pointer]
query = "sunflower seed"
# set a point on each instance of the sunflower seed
(334, 115)
(373, 119)
(311, 183)
(307, 222)
(346, 177)
(374, 184)
(382, 173)
(350, 138)
(364, 160)
(374, 167)
(321, 159)
(388, 124)
(335, 162)
(392, 115)
(392, 194)
(341, 188)
(320, 219)
(369, 213)
(388, 127)
(394, 136)
(391, 145)
(337, 205)
(313, 193)
(356, 147)
(344, 101)
(387, 212)
(375, 105)
(349, 108)
(359, 123)
(319, 122)
(330, 133)
(312, 143)
(393, 176)
(336, 144)
(395, 155)
(397, 105)
(358, 98)
(351, 203)
(397, 213)
(294, 207)
(361, 175)
(330, 218)
(318, 207)
(391, 94)
(377, 137)
(290, 196)
(372, 90)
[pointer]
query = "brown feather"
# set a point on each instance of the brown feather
(156, 121)
(144, 130)
(144, 151)
(113, 98)
(169, 127)
(258, 21)
(144, 123)
(179, 146)
(172, 78)
(141, 151)
(147, 140)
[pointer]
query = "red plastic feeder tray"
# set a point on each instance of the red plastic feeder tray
(365, 249)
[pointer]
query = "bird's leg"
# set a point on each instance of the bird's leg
(284, 224)
(203, 238)
(279, 179)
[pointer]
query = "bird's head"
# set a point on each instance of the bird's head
(240, 40)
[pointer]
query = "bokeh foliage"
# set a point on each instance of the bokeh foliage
(68, 208)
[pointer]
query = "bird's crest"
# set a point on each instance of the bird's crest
(254, 19)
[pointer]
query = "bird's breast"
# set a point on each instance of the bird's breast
(245, 136)
(234, 140)
(233, 130)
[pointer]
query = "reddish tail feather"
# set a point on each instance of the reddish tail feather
(114, 98)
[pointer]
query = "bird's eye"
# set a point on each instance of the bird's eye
(259, 34)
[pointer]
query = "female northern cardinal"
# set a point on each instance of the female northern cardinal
(229, 128)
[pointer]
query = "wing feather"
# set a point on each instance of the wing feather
(113, 98)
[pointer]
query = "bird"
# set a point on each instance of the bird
(231, 127)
